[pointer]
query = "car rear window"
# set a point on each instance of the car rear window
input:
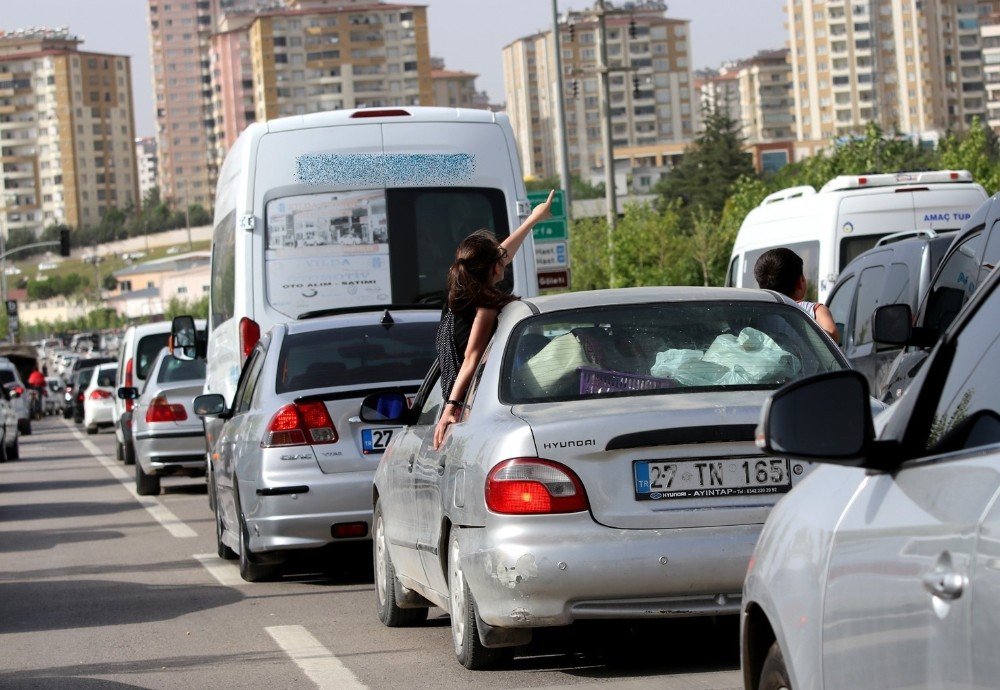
(7, 376)
(355, 356)
(661, 348)
(145, 353)
(173, 369)
(106, 377)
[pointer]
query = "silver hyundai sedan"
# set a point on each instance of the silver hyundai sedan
(604, 466)
(294, 463)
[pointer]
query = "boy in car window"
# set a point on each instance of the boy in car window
(781, 270)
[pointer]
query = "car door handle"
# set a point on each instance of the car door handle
(947, 585)
(409, 463)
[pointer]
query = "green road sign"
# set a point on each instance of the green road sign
(558, 202)
(549, 230)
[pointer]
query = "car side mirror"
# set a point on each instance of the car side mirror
(210, 405)
(385, 407)
(892, 324)
(128, 393)
(184, 341)
(826, 418)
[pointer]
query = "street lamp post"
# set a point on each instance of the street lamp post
(609, 155)
(560, 97)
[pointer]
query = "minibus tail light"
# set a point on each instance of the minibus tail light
(129, 404)
(379, 112)
(249, 335)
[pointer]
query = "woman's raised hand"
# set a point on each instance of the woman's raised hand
(543, 210)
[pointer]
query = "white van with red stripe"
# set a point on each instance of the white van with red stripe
(847, 216)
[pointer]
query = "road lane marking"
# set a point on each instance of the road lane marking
(157, 510)
(315, 660)
(225, 573)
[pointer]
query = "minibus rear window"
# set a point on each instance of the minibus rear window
(370, 247)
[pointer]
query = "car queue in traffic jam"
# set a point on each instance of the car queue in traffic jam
(626, 454)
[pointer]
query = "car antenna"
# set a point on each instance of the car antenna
(387, 321)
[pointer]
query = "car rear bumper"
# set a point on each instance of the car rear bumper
(300, 511)
(175, 452)
(552, 570)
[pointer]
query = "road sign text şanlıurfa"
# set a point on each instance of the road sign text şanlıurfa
(558, 201)
(549, 230)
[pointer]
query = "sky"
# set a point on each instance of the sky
(468, 34)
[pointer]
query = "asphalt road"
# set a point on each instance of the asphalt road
(101, 588)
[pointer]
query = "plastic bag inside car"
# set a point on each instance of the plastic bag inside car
(750, 358)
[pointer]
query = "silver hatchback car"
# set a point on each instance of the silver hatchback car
(294, 463)
(604, 466)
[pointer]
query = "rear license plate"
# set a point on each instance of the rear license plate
(659, 480)
(376, 440)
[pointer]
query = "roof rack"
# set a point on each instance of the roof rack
(790, 193)
(865, 181)
(905, 235)
(363, 308)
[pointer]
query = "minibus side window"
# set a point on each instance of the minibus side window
(223, 295)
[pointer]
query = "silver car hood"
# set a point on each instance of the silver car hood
(601, 439)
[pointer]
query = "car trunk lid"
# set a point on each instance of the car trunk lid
(697, 447)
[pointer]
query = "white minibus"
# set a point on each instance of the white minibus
(349, 209)
(846, 217)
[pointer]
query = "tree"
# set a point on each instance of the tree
(709, 168)
(109, 282)
(975, 151)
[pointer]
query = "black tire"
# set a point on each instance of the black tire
(3, 453)
(119, 451)
(389, 613)
(13, 451)
(774, 674)
(224, 551)
(146, 484)
(250, 569)
(92, 430)
(24, 427)
(464, 626)
(128, 454)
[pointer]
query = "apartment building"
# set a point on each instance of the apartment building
(720, 89)
(315, 55)
(455, 88)
(909, 65)
(146, 162)
(653, 105)
(67, 131)
(765, 97)
(991, 69)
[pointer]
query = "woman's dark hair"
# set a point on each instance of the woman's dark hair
(778, 270)
(470, 281)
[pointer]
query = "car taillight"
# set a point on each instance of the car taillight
(160, 410)
(129, 404)
(249, 335)
(98, 394)
(297, 424)
(531, 486)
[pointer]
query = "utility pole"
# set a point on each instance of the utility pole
(609, 155)
(560, 97)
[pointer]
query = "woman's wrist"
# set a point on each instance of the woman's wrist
(457, 403)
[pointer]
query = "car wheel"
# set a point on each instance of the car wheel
(13, 451)
(24, 427)
(464, 629)
(224, 551)
(119, 452)
(92, 430)
(250, 569)
(389, 613)
(128, 454)
(146, 484)
(774, 674)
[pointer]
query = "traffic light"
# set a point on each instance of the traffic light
(572, 33)
(64, 242)
(576, 88)
(635, 86)
(632, 33)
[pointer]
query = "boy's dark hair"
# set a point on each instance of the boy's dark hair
(778, 270)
